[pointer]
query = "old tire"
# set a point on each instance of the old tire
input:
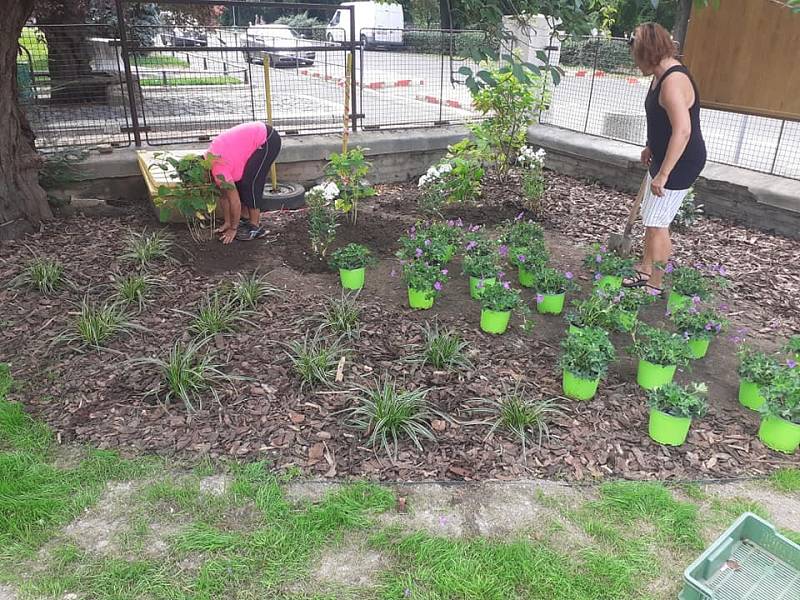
(289, 196)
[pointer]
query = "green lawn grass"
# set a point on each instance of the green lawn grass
(786, 479)
(160, 60)
(33, 41)
(175, 81)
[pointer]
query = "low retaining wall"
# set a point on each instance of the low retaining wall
(754, 199)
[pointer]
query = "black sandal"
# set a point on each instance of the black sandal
(640, 279)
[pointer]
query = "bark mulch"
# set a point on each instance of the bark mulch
(99, 396)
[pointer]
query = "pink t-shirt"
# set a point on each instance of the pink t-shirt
(234, 147)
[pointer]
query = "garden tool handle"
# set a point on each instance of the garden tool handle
(636, 204)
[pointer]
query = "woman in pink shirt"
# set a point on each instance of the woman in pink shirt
(243, 156)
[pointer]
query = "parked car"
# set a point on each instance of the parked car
(377, 24)
(282, 41)
(185, 37)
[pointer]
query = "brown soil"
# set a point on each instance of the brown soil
(98, 397)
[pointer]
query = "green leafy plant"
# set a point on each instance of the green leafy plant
(548, 281)
(348, 171)
(509, 106)
(133, 288)
(43, 274)
(531, 166)
(630, 300)
(483, 266)
(145, 248)
(453, 180)
(419, 246)
(755, 366)
(248, 290)
(527, 418)
(587, 353)
(388, 413)
(321, 217)
(352, 256)
(342, 315)
(188, 373)
(441, 348)
(782, 395)
(597, 310)
(522, 234)
(500, 296)
(449, 232)
(315, 358)
(692, 282)
(679, 401)
(660, 347)
(95, 324)
(793, 345)
(698, 323)
(602, 262)
(532, 257)
(217, 313)
(688, 214)
(424, 277)
(196, 194)
(476, 242)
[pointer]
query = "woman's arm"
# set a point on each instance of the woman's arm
(676, 101)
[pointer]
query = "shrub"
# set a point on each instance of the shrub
(680, 401)
(453, 180)
(348, 171)
(612, 56)
(352, 256)
(388, 414)
(548, 281)
(421, 245)
(660, 347)
(602, 262)
(691, 282)
(43, 274)
(315, 359)
(442, 348)
(587, 353)
(782, 395)
(321, 217)
(756, 367)
(500, 296)
(483, 266)
(688, 213)
(532, 257)
(522, 234)
(533, 183)
(424, 277)
(95, 324)
(146, 248)
(698, 323)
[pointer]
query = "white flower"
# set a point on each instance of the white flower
(445, 168)
(331, 191)
(423, 181)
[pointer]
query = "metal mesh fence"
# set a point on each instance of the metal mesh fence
(602, 93)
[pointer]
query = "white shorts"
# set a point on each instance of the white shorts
(659, 211)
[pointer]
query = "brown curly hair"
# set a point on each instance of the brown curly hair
(651, 43)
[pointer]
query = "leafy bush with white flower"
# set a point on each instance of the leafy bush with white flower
(348, 172)
(531, 167)
(321, 216)
(453, 180)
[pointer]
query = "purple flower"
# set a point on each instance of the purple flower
(669, 268)
(474, 228)
(503, 250)
(686, 335)
(569, 275)
(598, 276)
(722, 271)
(723, 307)
(521, 257)
(471, 245)
(418, 252)
(653, 292)
(444, 271)
(501, 274)
(718, 327)
(598, 258)
(479, 285)
(459, 222)
(709, 326)
(428, 242)
(695, 299)
(507, 285)
(437, 286)
(791, 363)
(451, 223)
(741, 330)
(393, 273)
(519, 216)
(603, 249)
(539, 298)
(406, 593)
(442, 520)
(412, 229)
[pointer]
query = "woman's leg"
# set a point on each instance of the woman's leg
(660, 251)
(226, 214)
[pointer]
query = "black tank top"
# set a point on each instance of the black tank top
(659, 130)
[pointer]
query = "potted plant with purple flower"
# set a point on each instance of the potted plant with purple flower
(660, 353)
(627, 303)
(780, 413)
(597, 310)
(520, 234)
(449, 234)
(551, 286)
(418, 245)
(608, 268)
(672, 408)
(692, 285)
(352, 261)
(756, 371)
(424, 281)
(587, 352)
(498, 300)
(698, 326)
(527, 259)
(483, 270)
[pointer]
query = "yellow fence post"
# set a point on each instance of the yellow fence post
(268, 92)
(346, 119)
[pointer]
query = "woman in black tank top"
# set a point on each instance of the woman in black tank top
(675, 153)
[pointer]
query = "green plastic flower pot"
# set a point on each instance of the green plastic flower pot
(699, 348)
(495, 321)
(525, 277)
(651, 376)
(627, 320)
(474, 291)
(551, 304)
(421, 299)
(611, 283)
(749, 395)
(779, 434)
(668, 430)
(676, 301)
(352, 279)
(577, 388)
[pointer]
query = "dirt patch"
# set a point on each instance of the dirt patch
(215, 485)
(348, 565)
(783, 509)
(6, 593)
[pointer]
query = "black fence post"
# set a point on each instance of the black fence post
(591, 86)
(354, 120)
(777, 148)
(126, 61)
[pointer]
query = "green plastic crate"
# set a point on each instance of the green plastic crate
(750, 561)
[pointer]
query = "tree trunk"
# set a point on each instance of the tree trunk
(682, 15)
(23, 203)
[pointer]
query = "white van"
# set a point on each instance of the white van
(377, 24)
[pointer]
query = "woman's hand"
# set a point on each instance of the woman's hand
(658, 183)
(647, 156)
